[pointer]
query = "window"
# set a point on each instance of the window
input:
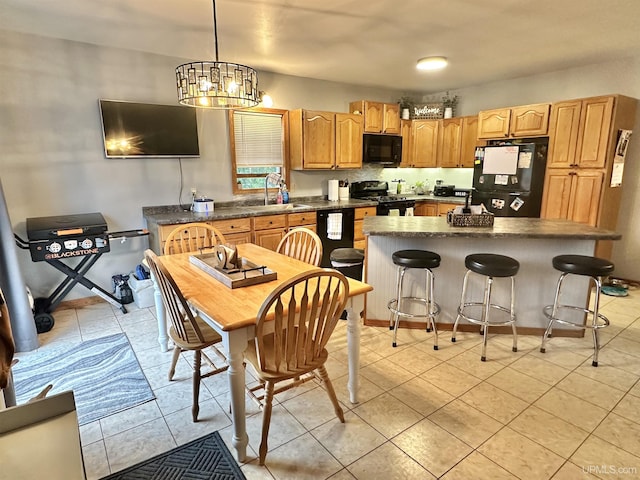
(259, 145)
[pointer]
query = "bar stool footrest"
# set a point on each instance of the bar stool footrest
(548, 312)
(490, 323)
(392, 308)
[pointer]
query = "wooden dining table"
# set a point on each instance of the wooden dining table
(232, 313)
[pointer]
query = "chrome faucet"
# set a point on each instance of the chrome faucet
(273, 178)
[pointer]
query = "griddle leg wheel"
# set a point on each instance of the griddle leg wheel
(44, 322)
(41, 304)
(123, 309)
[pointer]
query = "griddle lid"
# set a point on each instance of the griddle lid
(46, 228)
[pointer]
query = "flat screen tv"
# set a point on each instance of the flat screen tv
(133, 130)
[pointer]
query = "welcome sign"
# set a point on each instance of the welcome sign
(428, 111)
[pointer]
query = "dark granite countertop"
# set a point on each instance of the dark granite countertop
(432, 198)
(174, 214)
(437, 227)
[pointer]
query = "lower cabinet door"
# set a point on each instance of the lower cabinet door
(268, 238)
(237, 238)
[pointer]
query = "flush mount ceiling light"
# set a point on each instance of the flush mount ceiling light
(216, 84)
(432, 63)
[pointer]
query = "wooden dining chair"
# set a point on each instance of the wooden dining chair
(192, 237)
(293, 327)
(302, 244)
(188, 331)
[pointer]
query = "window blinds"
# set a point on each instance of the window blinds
(258, 139)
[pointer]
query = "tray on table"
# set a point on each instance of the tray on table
(248, 274)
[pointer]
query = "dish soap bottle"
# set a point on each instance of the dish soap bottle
(285, 194)
(279, 197)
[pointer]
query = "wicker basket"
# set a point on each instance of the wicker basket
(470, 220)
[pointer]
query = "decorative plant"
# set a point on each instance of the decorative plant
(406, 102)
(450, 102)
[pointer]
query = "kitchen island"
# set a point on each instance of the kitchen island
(531, 241)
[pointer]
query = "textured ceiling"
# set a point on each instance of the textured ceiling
(364, 42)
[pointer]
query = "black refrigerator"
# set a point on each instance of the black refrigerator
(508, 177)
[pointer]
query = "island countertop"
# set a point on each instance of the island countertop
(437, 227)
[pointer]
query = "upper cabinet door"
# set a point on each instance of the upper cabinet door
(529, 120)
(524, 121)
(425, 142)
(469, 141)
(349, 128)
(593, 136)
(494, 123)
(319, 139)
(563, 134)
(391, 118)
(407, 143)
(449, 148)
(374, 116)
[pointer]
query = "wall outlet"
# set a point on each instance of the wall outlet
(193, 191)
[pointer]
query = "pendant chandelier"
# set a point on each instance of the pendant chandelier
(215, 84)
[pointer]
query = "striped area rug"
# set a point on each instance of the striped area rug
(103, 373)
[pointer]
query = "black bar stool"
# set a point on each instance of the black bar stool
(490, 266)
(592, 267)
(401, 305)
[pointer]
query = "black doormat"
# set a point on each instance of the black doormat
(206, 458)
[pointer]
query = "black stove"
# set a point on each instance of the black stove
(378, 191)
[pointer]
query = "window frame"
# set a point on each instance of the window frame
(285, 149)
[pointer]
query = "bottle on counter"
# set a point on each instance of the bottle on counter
(285, 195)
(279, 197)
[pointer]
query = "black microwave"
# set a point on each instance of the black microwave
(383, 150)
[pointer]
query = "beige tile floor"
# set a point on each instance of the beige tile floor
(423, 413)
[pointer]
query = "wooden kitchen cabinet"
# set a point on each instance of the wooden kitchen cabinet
(379, 117)
(304, 219)
(235, 231)
(268, 230)
(469, 141)
(424, 144)
(583, 136)
(426, 209)
(349, 129)
(450, 143)
(458, 142)
(391, 124)
(523, 121)
(325, 140)
(444, 207)
(573, 195)
(359, 216)
(579, 133)
(407, 143)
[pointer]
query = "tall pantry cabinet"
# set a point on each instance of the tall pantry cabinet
(583, 135)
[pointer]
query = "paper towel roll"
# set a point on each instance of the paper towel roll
(333, 190)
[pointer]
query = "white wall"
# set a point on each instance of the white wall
(52, 160)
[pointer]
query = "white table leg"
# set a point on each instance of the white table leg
(235, 342)
(163, 338)
(354, 320)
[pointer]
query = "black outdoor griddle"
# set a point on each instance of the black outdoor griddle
(54, 239)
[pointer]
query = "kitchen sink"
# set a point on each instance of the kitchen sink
(282, 207)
